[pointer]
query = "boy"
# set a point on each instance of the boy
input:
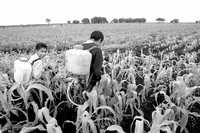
(93, 44)
(36, 60)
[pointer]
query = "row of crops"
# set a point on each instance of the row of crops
(157, 91)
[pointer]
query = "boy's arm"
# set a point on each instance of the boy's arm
(96, 69)
(98, 62)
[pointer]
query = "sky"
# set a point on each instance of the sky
(15, 12)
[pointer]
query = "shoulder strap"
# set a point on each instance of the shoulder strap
(32, 63)
(92, 48)
(77, 47)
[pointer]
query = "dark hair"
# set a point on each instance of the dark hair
(40, 45)
(97, 35)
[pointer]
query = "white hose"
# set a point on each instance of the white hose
(68, 96)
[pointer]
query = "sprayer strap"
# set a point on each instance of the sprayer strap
(92, 48)
(32, 63)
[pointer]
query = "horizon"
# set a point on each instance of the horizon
(38, 24)
(31, 12)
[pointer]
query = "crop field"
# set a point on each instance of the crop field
(69, 34)
(149, 84)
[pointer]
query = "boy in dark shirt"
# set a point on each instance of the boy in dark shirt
(93, 45)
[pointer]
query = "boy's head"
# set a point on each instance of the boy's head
(41, 49)
(97, 36)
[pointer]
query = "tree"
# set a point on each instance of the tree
(197, 22)
(69, 22)
(99, 20)
(132, 20)
(122, 20)
(85, 21)
(48, 20)
(160, 19)
(76, 22)
(140, 20)
(115, 20)
(174, 20)
(104, 20)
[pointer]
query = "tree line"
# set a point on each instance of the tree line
(103, 20)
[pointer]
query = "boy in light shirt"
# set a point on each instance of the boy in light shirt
(36, 60)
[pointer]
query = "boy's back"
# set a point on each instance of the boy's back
(97, 61)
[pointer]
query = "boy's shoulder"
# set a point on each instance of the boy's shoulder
(33, 57)
(89, 45)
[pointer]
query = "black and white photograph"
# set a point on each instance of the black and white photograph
(99, 66)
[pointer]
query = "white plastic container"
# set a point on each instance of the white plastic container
(22, 70)
(139, 126)
(78, 61)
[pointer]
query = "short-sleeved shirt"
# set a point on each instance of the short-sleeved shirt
(37, 66)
